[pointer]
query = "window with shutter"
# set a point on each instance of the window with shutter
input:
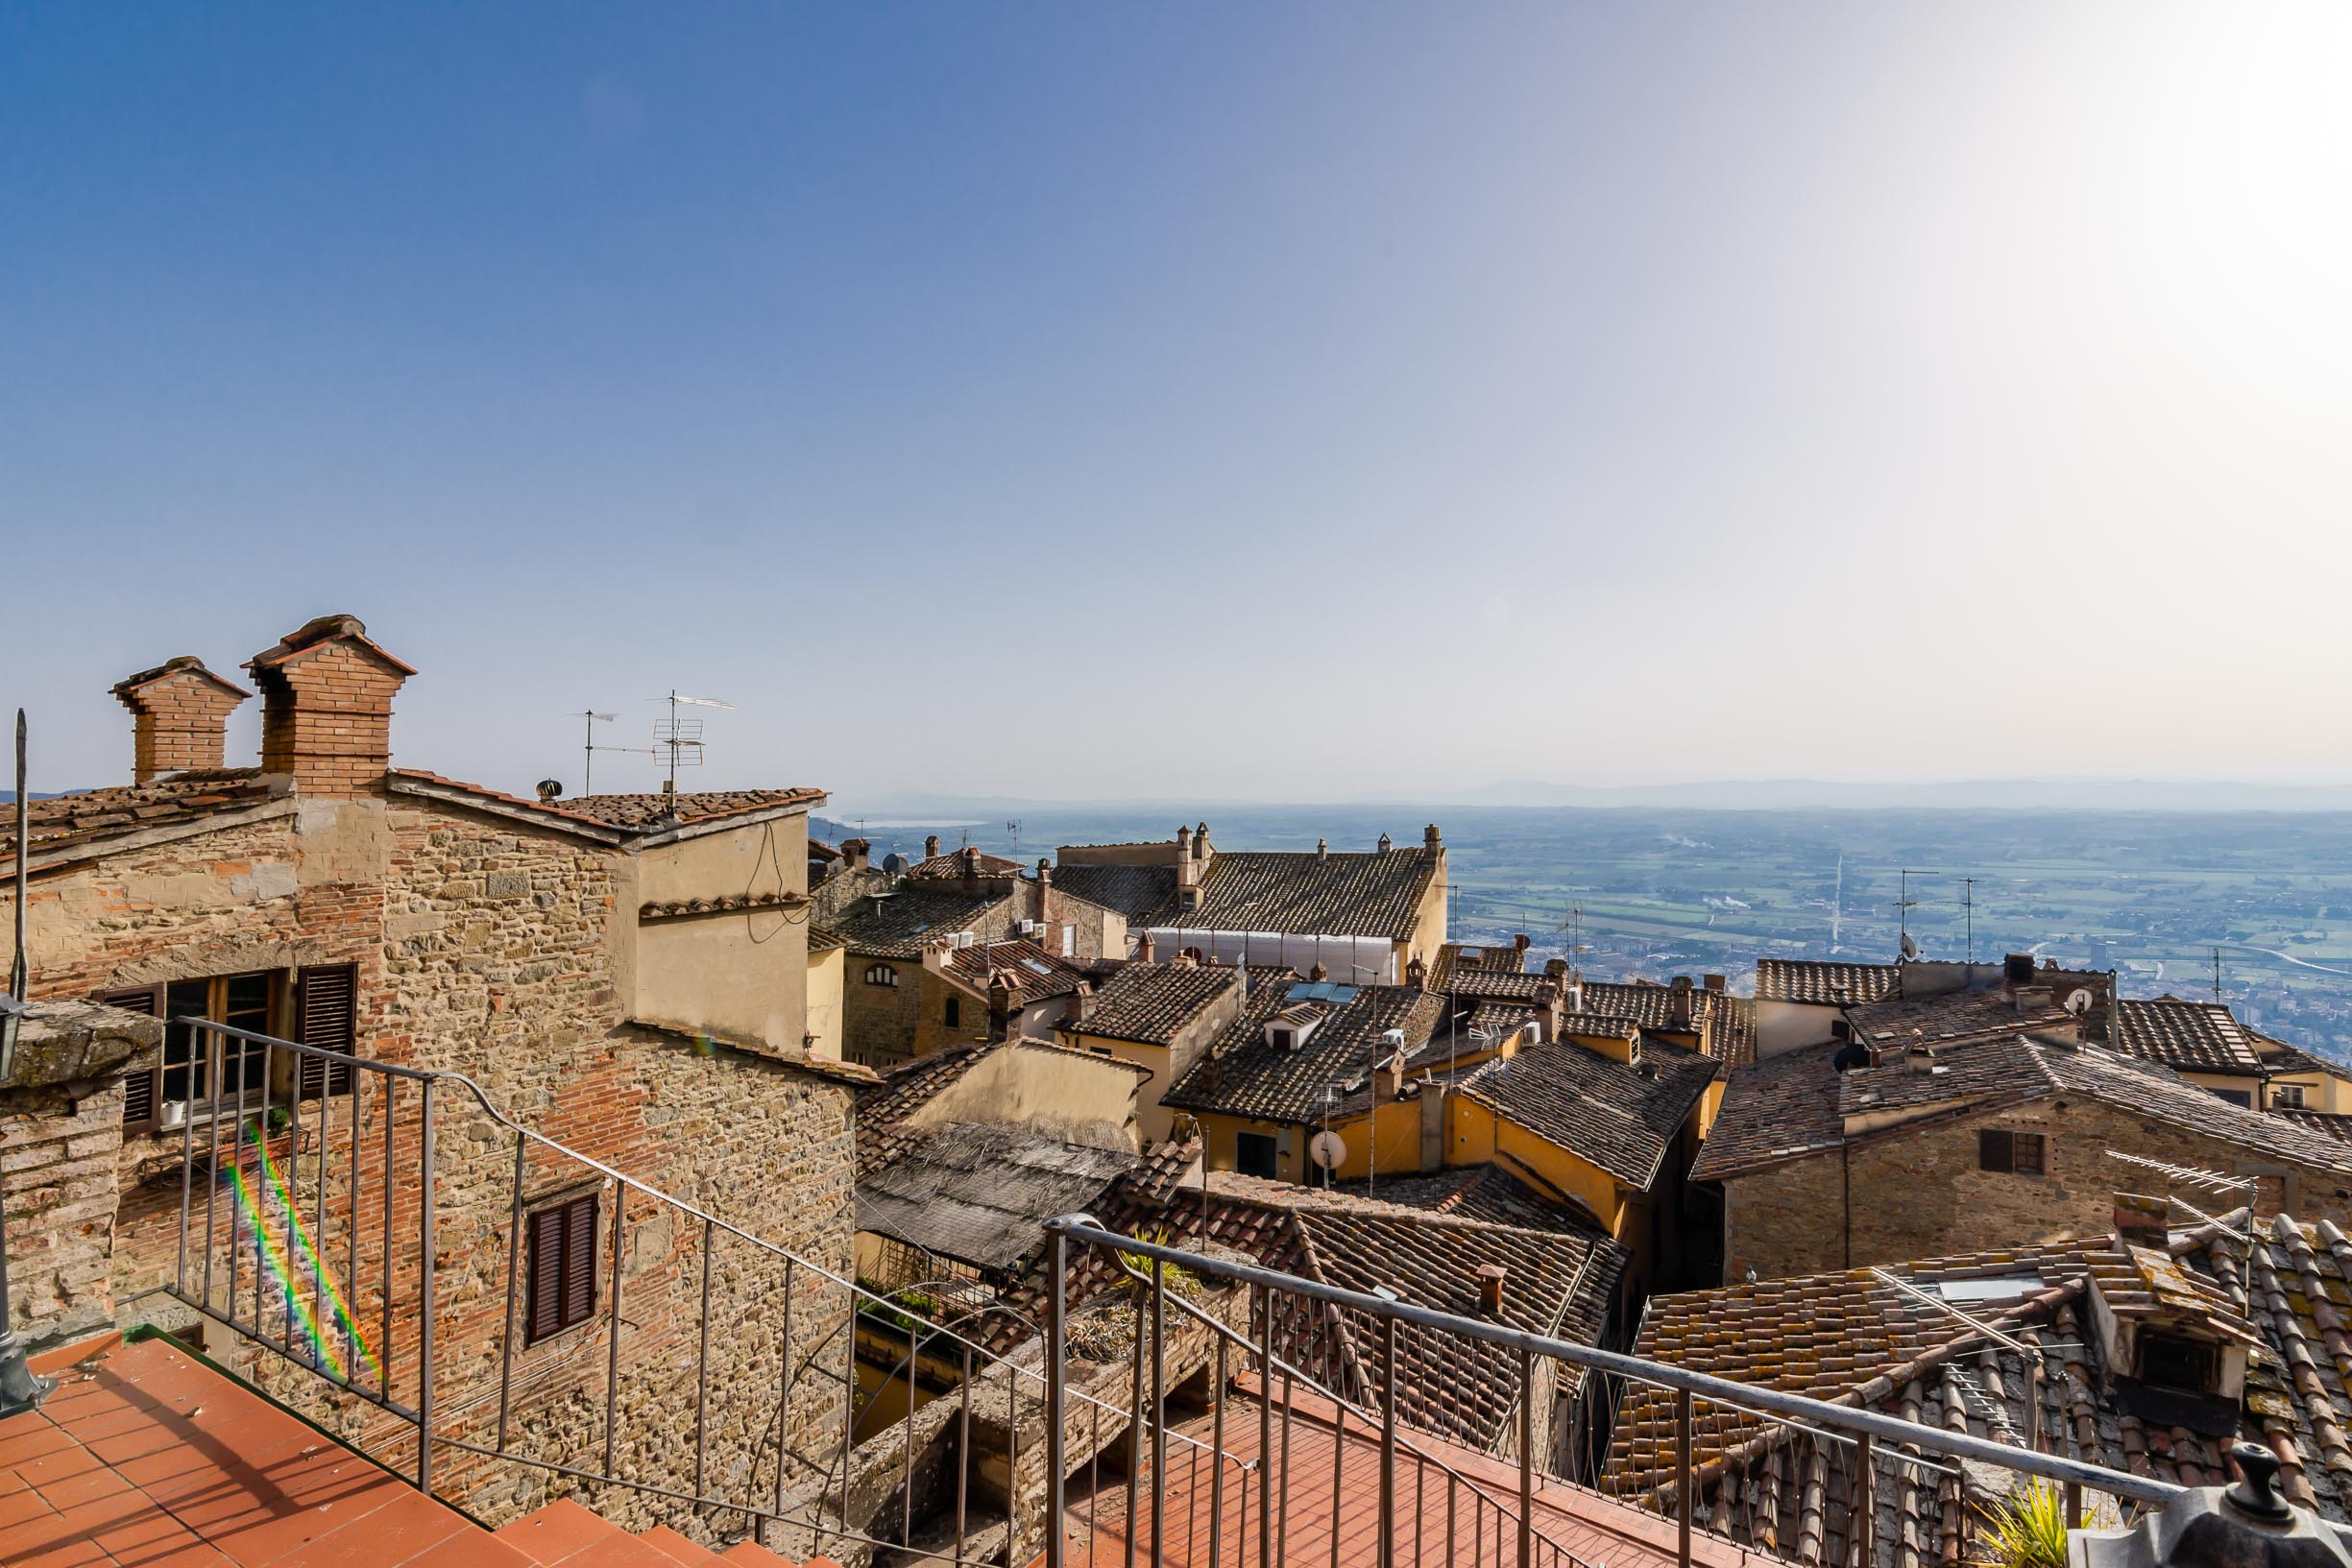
(138, 1088)
(1994, 1151)
(326, 1004)
(562, 1267)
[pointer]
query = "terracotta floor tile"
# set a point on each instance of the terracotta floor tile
(29, 1435)
(619, 1551)
(51, 1362)
(55, 1466)
(683, 1547)
(406, 1527)
(471, 1550)
(87, 1486)
(21, 1509)
(555, 1531)
(147, 1535)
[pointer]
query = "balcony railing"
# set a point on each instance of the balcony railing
(374, 1236)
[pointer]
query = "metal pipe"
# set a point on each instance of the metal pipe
(351, 1231)
(424, 1320)
(261, 1202)
(1134, 1429)
(964, 1458)
(1865, 1509)
(2137, 1489)
(384, 1335)
(1266, 1426)
(905, 1445)
(1339, 1471)
(514, 1271)
(1013, 1466)
(237, 1208)
(784, 1391)
(318, 1237)
(187, 1181)
(1282, 1539)
(213, 1160)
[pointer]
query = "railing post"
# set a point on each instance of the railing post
(2074, 1505)
(514, 1271)
(1216, 1458)
(1057, 1347)
(424, 1291)
(1865, 1526)
(350, 1237)
(1282, 1537)
(1527, 1463)
(1338, 1472)
(964, 1452)
(702, 1367)
(384, 1329)
(1134, 1428)
(1159, 1411)
(612, 1332)
(783, 1379)
(1387, 1554)
(1266, 1426)
(1684, 1504)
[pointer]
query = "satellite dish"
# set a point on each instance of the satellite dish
(2079, 1002)
(1328, 1150)
(1910, 949)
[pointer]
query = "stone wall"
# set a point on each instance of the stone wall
(879, 1023)
(1922, 1194)
(58, 1148)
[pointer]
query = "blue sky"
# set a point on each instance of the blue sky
(1237, 402)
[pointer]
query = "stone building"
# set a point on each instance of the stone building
(1363, 915)
(1840, 1157)
(625, 975)
(1160, 1017)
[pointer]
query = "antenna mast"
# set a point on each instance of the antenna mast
(682, 738)
(1968, 904)
(590, 718)
(1905, 903)
(2217, 975)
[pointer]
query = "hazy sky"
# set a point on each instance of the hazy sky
(1234, 401)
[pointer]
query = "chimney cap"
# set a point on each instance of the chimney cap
(319, 631)
(186, 663)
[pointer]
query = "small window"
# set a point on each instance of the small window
(2178, 1364)
(2236, 1097)
(952, 1014)
(1253, 1154)
(1069, 941)
(2020, 1153)
(562, 1267)
(2287, 1097)
(880, 975)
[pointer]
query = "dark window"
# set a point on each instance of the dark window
(880, 975)
(2287, 1096)
(953, 1015)
(198, 1064)
(2018, 1152)
(2177, 1364)
(2236, 1097)
(1255, 1154)
(562, 1266)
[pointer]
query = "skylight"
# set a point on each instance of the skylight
(1998, 1288)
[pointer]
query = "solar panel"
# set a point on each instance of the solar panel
(1343, 993)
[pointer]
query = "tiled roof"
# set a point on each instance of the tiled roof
(2278, 1056)
(655, 811)
(1240, 1075)
(1341, 893)
(903, 1090)
(2186, 1036)
(825, 939)
(1557, 1281)
(1623, 1118)
(897, 925)
(951, 865)
(1151, 1004)
(1146, 895)
(1491, 984)
(1954, 1015)
(2335, 1123)
(1034, 973)
(1851, 1338)
(1509, 958)
(1479, 1192)
(1795, 1104)
(981, 1194)
(1824, 982)
(64, 822)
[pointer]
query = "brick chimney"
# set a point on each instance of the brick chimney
(178, 716)
(1678, 1004)
(1142, 948)
(930, 846)
(857, 854)
(1079, 1004)
(2141, 1222)
(326, 707)
(969, 861)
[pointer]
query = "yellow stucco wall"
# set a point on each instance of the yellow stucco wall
(824, 971)
(740, 976)
(1475, 1135)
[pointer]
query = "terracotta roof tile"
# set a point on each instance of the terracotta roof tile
(897, 925)
(1623, 1118)
(2186, 1036)
(1242, 1074)
(1360, 893)
(65, 822)
(1151, 1004)
(1824, 982)
(1146, 895)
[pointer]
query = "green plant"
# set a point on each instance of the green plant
(1178, 1278)
(2024, 1529)
(281, 1119)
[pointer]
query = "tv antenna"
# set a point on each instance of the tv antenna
(1905, 903)
(1574, 926)
(682, 738)
(590, 718)
(2217, 975)
(1968, 905)
(1014, 829)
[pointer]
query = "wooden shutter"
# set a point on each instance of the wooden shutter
(139, 1089)
(1994, 1151)
(579, 1259)
(546, 1306)
(326, 1001)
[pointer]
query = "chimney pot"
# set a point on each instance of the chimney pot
(1385, 843)
(930, 846)
(1142, 948)
(1521, 941)
(1491, 1277)
(1429, 836)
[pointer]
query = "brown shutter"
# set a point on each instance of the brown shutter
(325, 1002)
(579, 1259)
(138, 1088)
(1994, 1152)
(546, 1314)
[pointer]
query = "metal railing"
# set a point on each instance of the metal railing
(308, 1214)
(1870, 1441)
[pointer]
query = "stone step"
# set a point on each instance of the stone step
(753, 1552)
(562, 1530)
(679, 1547)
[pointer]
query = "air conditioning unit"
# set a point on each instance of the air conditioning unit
(965, 939)
(1031, 928)
(1393, 1039)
